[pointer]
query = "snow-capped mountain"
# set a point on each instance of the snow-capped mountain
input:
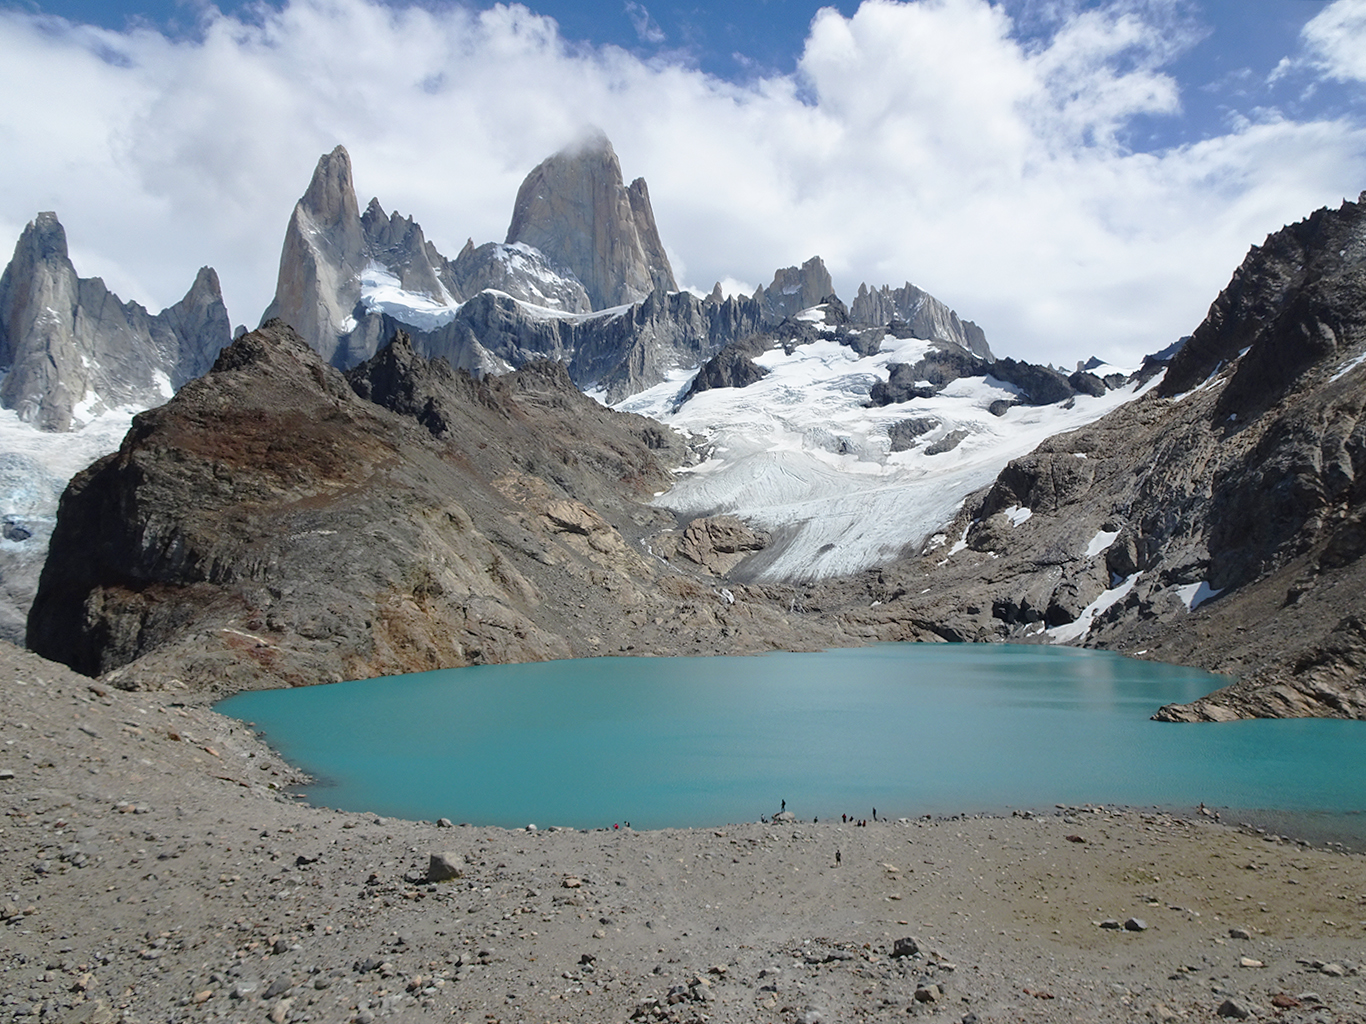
(841, 483)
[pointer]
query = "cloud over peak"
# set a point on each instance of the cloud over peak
(934, 141)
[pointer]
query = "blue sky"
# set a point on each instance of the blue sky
(1078, 176)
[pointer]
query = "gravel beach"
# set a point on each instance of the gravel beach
(155, 868)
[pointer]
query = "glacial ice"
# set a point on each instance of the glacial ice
(802, 455)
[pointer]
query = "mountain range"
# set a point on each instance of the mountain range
(400, 469)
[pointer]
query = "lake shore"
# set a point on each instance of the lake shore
(156, 868)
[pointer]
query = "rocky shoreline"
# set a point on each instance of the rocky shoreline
(156, 868)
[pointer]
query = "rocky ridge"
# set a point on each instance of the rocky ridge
(582, 278)
(271, 526)
(71, 349)
(1217, 521)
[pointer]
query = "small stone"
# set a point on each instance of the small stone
(572, 882)
(442, 867)
(1284, 1002)
(1135, 924)
(1239, 933)
(280, 946)
(928, 994)
(243, 990)
(1309, 997)
(598, 933)
(1233, 1008)
(444, 823)
(907, 946)
(279, 1013)
(1247, 961)
(203, 997)
(278, 987)
(1111, 924)
(1333, 970)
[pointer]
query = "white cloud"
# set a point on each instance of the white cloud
(1336, 38)
(916, 141)
(647, 29)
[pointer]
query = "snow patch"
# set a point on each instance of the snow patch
(1348, 367)
(1193, 595)
(382, 292)
(1102, 540)
(1017, 515)
(1070, 631)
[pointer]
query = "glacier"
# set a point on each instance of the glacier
(802, 455)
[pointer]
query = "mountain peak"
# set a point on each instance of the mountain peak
(576, 209)
(331, 194)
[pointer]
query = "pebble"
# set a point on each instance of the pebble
(1233, 1008)
(907, 946)
(1239, 933)
(1135, 924)
(1111, 924)
(1247, 961)
(1333, 970)
(444, 866)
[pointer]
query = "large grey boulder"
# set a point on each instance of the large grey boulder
(72, 349)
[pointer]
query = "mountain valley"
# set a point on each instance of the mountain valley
(400, 469)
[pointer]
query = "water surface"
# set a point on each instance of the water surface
(908, 729)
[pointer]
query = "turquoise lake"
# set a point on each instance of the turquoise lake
(909, 729)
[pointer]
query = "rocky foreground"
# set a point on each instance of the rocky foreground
(156, 869)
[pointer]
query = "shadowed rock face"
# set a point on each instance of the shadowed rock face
(73, 349)
(575, 208)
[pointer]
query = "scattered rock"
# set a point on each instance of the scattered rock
(442, 867)
(1233, 1008)
(1135, 924)
(907, 946)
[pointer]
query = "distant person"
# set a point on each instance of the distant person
(837, 857)
(784, 805)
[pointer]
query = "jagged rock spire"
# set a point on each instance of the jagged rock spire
(575, 208)
(72, 349)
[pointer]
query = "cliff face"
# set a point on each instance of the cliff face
(575, 208)
(923, 314)
(1218, 521)
(271, 526)
(73, 349)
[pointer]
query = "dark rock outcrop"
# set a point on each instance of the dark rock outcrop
(72, 349)
(270, 526)
(732, 367)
